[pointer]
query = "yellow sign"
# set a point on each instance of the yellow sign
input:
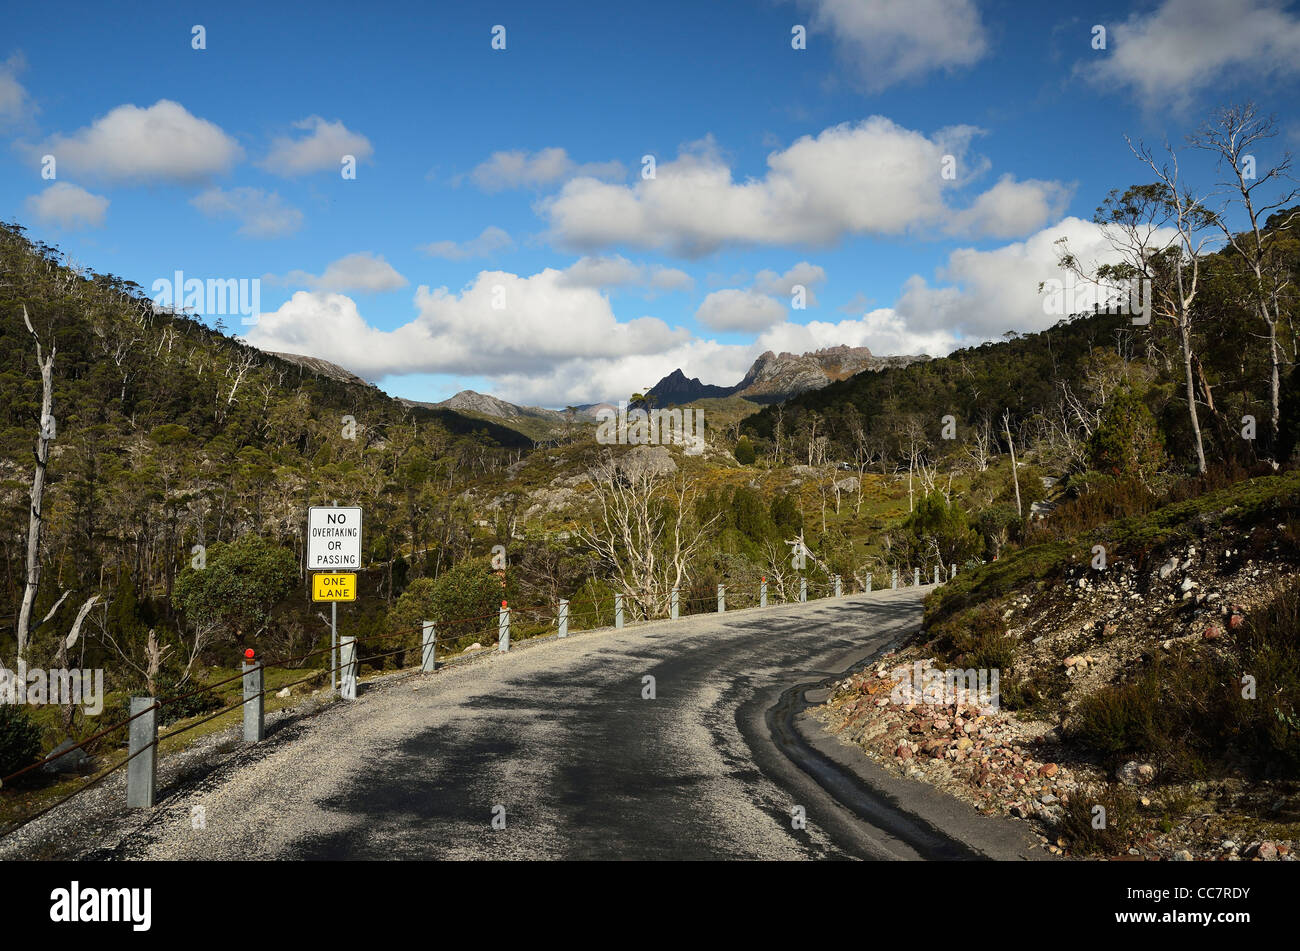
(334, 586)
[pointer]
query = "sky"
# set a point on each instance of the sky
(561, 203)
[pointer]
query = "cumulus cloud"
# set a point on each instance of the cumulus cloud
(868, 178)
(883, 331)
(363, 272)
(618, 271)
(161, 143)
(260, 214)
(69, 207)
(1184, 47)
(1011, 208)
(803, 274)
(488, 243)
(323, 147)
(541, 323)
(892, 42)
(983, 294)
(15, 104)
(556, 342)
(519, 169)
(734, 309)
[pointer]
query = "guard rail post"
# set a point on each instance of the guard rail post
(254, 699)
(429, 655)
(142, 771)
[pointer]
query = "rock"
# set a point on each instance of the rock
(904, 752)
(1134, 773)
(284, 694)
(1212, 632)
(1267, 851)
(1235, 621)
(1168, 568)
(1187, 585)
(476, 646)
(72, 761)
(1048, 769)
(1182, 855)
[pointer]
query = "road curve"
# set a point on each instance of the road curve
(558, 737)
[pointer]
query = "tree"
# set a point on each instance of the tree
(1233, 133)
(744, 451)
(1127, 440)
(644, 530)
(1159, 232)
(462, 600)
(939, 528)
(233, 594)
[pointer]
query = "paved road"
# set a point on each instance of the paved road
(559, 735)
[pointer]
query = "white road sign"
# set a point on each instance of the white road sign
(333, 538)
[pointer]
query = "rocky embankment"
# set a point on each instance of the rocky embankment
(1075, 636)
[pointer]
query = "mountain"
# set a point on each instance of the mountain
(322, 368)
(775, 377)
(468, 401)
(676, 388)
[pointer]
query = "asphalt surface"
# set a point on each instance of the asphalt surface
(557, 739)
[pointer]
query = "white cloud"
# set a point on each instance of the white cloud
(804, 274)
(883, 331)
(519, 169)
(898, 40)
(873, 177)
(557, 343)
(15, 104)
(323, 147)
(544, 323)
(618, 271)
(1011, 208)
(68, 206)
(986, 293)
(363, 272)
(1184, 47)
(163, 142)
(733, 309)
(261, 214)
(488, 243)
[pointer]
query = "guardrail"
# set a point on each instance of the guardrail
(141, 761)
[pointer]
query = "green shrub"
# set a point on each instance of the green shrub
(1122, 825)
(744, 452)
(1118, 719)
(20, 739)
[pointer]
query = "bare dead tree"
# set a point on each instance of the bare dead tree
(34, 523)
(644, 530)
(1231, 134)
(1011, 445)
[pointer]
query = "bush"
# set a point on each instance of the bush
(1121, 828)
(744, 452)
(1118, 719)
(20, 739)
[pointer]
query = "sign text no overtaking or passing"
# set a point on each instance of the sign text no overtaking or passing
(333, 538)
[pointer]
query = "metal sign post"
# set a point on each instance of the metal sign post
(334, 543)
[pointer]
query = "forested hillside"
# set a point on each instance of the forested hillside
(167, 435)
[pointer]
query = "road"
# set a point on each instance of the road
(557, 739)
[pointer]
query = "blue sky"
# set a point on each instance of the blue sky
(499, 233)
